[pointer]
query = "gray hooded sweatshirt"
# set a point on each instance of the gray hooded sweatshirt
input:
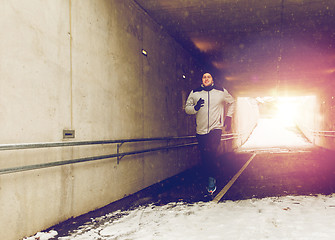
(210, 116)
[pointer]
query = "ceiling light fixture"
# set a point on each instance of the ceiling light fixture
(144, 52)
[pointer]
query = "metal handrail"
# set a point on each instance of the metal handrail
(81, 143)
(87, 159)
(322, 133)
(117, 155)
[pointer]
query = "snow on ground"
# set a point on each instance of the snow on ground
(290, 217)
(272, 133)
(44, 235)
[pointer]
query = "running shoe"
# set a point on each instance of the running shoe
(211, 185)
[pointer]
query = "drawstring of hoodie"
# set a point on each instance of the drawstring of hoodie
(208, 113)
(208, 88)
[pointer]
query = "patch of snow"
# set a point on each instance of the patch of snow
(289, 217)
(43, 235)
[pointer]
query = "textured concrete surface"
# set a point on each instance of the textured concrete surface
(78, 65)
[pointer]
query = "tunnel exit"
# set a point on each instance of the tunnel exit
(279, 124)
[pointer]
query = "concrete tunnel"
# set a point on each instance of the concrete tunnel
(92, 106)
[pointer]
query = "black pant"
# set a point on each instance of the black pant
(208, 145)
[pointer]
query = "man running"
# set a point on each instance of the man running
(207, 103)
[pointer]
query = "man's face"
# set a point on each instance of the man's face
(207, 79)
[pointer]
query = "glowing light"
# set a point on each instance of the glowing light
(219, 65)
(277, 126)
(330, 71)
(144, 52)
(272, 134)
(231, 78)
(205, 45)
(287, 108)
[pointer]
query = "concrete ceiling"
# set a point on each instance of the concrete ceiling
(258, 47)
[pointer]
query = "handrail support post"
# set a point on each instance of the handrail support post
(118, 146)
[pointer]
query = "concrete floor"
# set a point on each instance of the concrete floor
(278, 169)
(274, 172)
(306, 171)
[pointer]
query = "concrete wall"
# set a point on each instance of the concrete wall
(316, 118)
(78, 65)
(246, 118)
(306, 118)
(244, 121)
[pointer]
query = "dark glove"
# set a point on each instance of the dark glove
(199, 104)
(227, 123)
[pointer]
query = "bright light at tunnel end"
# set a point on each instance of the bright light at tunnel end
(279, 122)
(284, 109)
(287, 110)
